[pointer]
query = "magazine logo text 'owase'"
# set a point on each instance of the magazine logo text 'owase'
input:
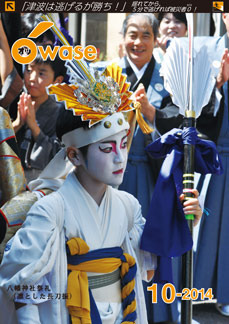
(24, 50)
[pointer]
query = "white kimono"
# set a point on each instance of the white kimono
(37, 254)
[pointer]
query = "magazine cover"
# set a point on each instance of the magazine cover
(114, 141)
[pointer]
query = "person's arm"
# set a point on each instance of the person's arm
(31, 253)
(30, 115)
(162, 42)
(11, 82)
(21, 116)
(6, 62)
(46, 144)
(147, 261)
(44, 149)
(168, 117)
(27, 114)
(147, 109)
(223, 75)
(192, 206)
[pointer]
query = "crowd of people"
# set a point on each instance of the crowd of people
(98, 212)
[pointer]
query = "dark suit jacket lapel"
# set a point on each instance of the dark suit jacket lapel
(145, 79)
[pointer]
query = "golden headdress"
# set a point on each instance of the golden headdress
(95, 95)
(94, 100)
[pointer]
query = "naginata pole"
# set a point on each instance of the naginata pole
(188, 184)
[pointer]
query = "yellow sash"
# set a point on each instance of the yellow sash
(78, 302)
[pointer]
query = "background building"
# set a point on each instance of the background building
(104, 30)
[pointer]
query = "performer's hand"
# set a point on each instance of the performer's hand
(192, 206)
(147, 109)
(223, 75)
(150, 274)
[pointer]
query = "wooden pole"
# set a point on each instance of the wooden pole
(188, 184)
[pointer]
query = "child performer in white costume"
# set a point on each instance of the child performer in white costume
(80, 244)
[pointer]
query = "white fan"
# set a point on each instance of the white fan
(176, 72)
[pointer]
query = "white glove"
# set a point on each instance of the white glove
(28, 314)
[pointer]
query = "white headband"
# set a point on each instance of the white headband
(109, 126)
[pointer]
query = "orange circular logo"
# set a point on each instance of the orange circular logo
(24, 51)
